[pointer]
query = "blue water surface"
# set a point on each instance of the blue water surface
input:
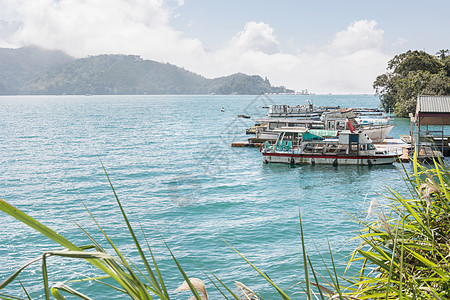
(171, 164)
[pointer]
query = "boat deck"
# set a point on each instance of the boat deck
(393, 145)
(396, 145)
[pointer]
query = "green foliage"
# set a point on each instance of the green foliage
(411, 74)
(405, 253)
(38, 71)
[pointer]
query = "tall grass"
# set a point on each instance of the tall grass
(404, 254)
(127, 277)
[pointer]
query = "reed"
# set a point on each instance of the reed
(405, 253)
(128, 278)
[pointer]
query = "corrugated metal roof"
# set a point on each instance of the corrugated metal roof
(433, 104)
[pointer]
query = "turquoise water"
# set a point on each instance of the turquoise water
(170, 161)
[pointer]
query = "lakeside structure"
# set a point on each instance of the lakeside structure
(375, 123)
(370, 121)
(428, 127)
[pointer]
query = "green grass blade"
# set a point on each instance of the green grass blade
(336, 280)
(186, 278)
(305, 263)
(282, 294)
(51, 234)
(24, 289)
(81, 254)
(374, 259)
(45, 276)
(413, 213)
(163, 286)
(316, 280)
(8, 297)
(415, 164)
(13, 276)
(65, 288)
(236, 297)
(154, 282)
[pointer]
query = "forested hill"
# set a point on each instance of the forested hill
(32, 70)
(18, 66)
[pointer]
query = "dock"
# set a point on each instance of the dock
(246, 144)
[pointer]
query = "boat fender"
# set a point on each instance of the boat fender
(369, 162)
(313, 162)
(335, 162)
(292, 161)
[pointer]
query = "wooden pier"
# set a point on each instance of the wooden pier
(246, 144)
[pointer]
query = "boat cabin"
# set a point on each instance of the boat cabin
(322, 141)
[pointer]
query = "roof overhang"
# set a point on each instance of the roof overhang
(433, 110)
(291, 129)
(433, 118)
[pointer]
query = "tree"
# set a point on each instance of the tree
(441, 54)
(411, 74)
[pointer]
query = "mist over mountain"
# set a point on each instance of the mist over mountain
(36, 71)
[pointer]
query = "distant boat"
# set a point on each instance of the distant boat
(244, 116)
(222, 109)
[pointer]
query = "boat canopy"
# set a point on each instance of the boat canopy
(324, 133)
(300, 130)
(308, 134)
(318, 134)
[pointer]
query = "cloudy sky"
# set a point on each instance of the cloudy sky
(325, 46)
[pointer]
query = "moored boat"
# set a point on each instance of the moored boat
(377, 133)
(297, 145)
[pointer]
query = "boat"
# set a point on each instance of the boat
(299, 145)
(244, 116)
(348, 119)
(329, 121)
(308, 110)
(265, 130)
(222, 109)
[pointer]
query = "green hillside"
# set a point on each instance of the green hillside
(36, 71)
(17, 66)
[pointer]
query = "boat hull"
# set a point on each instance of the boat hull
(302, 159)
(377, 133)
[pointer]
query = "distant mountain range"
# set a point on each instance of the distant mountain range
(36, 71)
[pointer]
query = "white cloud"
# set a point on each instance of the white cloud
(101, 26)
(360, 35)
(256, 37)
(399, 42)
(349, 63)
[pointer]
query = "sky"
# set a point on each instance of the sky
(324, 46)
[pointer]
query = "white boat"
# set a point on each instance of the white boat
(368, 120)
(308, 110)
(297, 145)
(377, 133)
(376, 128)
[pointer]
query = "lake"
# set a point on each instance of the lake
(171, 164)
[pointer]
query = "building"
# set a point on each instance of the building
(428, 125)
